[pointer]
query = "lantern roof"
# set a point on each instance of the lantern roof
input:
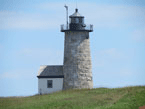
(76, 14)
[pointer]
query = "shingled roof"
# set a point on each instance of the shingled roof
(46, 71)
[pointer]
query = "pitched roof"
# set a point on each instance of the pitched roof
(50, 71)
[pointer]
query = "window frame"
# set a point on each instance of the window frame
(80, 20)
(73, 20)
(49, 83)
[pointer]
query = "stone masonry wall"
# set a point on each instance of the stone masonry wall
(77, 67)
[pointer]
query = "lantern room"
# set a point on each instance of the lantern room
(76, 23)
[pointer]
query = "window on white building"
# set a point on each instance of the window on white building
(49, 83)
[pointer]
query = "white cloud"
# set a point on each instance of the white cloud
(41, 56)
(50, 6)
(18, 74)
(30, 56)
(14, 20)
(111, 52)
(39, 52)
(35, 51)
(139, 35)
(126, 72)
(9, 75)
(113, 15)
(1, 46)
(104, 57)
(1, 49)
(98, 14)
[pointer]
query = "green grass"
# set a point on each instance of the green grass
(99, 98)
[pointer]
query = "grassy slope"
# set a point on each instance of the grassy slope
(99, 98)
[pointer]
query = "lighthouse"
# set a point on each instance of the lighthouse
(77, 66)
(76, 71)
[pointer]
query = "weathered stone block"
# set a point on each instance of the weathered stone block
(77, 61)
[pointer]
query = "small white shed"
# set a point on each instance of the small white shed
(50, 79)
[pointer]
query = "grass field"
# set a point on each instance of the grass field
(98, 98)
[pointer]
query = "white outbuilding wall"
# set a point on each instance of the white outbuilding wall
(57, 85)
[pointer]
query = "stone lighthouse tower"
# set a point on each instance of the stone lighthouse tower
(77, 67)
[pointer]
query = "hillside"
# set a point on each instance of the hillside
(98, 98)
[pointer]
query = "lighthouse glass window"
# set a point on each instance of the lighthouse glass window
(73, 20)
(49, 83)
(80, 20)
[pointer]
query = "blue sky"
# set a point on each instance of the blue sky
(30, 36)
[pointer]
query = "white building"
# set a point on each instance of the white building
(50, 79)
